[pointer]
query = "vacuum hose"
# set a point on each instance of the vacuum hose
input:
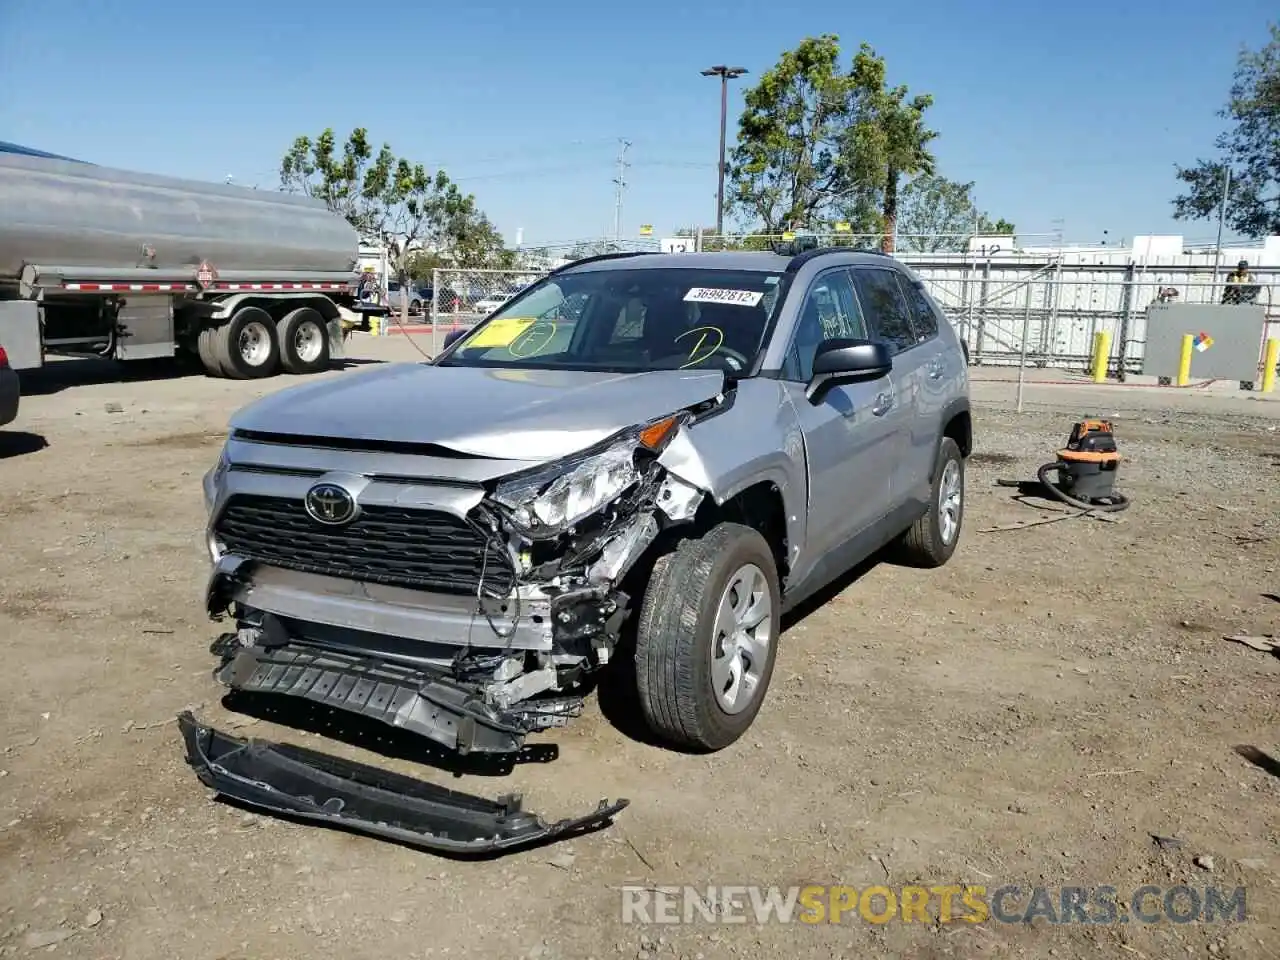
(1113, 503)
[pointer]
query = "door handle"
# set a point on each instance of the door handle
(884, 403)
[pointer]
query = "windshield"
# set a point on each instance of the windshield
(628, 321)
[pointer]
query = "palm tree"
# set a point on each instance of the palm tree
(906, 150)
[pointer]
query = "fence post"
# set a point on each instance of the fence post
(1022, 360)
(1126, 314)
(435, 306)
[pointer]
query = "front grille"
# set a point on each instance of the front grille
(421, 549)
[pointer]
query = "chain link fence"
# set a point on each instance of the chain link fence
(1046, 314)
(462, 297)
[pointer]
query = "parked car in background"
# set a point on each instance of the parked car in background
(419, 297)
(493, 302)
(9, 390)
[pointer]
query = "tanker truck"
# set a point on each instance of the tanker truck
(96, 262)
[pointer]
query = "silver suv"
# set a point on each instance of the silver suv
(642, 458)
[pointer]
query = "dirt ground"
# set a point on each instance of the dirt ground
(1036, 712)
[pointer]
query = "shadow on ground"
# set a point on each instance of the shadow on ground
(16, 443)
(59, 375)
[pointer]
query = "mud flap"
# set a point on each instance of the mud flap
(296, 782)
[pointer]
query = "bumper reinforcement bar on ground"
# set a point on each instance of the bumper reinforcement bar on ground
(296, 782)
(440, 709)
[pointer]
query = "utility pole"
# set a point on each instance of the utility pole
(621, 182)
(725, 74)
(1222, 215)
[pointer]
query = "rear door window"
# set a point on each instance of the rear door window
(924, 318)
(886, 309)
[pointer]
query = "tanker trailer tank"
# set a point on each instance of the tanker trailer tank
(123, 265)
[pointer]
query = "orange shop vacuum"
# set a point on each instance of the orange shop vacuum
(1084, 475)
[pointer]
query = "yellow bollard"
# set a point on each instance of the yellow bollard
(1184, 359)
(1101, 355)
(375, 326)
(1270, 357)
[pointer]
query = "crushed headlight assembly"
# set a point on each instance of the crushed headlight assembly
(548, 500)
(213, 480)
(211, 483)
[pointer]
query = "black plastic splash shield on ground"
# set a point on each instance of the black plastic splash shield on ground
(296, 782)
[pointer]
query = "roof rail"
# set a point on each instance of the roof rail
(800, 259)
(600, 256)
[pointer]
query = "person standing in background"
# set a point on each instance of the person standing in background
(1240, 287)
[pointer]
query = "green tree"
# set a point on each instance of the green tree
(819, 143)
(937, 215)
(1249, 150)
(907, 151)
(422, 219)
(808, 139)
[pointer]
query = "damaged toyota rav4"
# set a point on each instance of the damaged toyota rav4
(642, 456)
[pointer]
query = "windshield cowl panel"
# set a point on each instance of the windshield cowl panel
(628, 321)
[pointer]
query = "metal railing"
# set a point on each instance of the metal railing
(1062, 306)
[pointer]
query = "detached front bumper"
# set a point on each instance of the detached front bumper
(301, 783)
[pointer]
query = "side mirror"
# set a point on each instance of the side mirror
(847, 361)
(452, 337)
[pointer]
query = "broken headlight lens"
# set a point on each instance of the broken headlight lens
(544, 503)
(213, 480)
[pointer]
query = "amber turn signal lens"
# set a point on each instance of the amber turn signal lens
(657, 435)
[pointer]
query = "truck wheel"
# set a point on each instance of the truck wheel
(932, 539)
(304, 341)
(707, 638)
(207, 350)
(246, 345)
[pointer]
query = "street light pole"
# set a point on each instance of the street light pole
(725, 74)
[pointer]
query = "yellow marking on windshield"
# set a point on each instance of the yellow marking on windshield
(532, 340)
(500, 333)
(699, 351)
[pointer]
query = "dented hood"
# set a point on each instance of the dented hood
(503, 414)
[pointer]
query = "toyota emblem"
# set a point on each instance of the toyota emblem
(330, 504)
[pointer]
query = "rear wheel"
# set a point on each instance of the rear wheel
(246, 345)
(205, 347)
(932, 539)
(303, 341)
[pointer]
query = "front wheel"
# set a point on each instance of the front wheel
(707, 638)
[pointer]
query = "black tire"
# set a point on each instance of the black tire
(230, 350)
(206, 349)
(299, 352)
(675, 642)
(925, 544)
(415, 306)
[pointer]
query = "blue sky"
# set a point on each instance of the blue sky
(1060, 112)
